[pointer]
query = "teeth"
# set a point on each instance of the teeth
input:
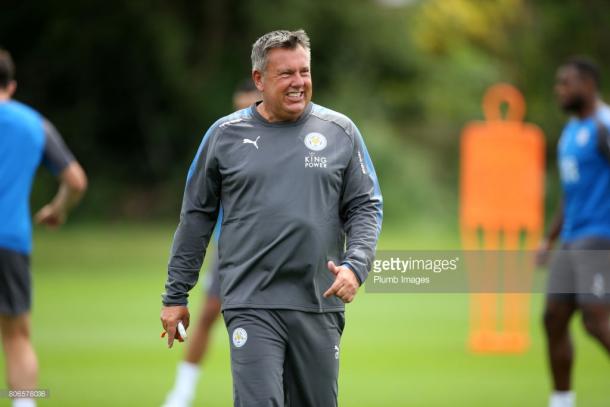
(294, 93)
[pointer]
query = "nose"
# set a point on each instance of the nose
(298, 81)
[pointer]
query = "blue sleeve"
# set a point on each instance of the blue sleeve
(361, 209)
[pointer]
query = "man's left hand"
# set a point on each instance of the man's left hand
(346, 284)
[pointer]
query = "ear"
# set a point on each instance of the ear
(257, 77)
(592, 86)
(11, 88)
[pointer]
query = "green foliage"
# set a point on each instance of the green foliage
(133, 86)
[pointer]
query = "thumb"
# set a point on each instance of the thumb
(332, 267)
(41, 215)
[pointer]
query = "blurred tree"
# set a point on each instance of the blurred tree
(133, 85)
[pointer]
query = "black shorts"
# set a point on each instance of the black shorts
(15, 283)
(580, 271)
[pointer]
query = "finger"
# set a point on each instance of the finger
(343, 292)
(541, 259)
(51, 221)
(332, 267)
(349, 294)
(171, 334)
(40, 216)
(332, 290)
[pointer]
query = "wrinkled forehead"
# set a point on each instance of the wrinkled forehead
(288, 58)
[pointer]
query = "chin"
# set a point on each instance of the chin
(295, 108)
(571, 108)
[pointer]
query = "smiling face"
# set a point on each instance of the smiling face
(285, 84)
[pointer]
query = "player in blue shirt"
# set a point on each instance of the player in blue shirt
(579, 276)
(26, 140)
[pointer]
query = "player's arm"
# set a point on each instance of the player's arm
(361, 209)
(72, 179)
(603, 138)
(551, 236)
(200, 207)
(556, 224)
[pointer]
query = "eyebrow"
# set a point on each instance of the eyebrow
(291, 70)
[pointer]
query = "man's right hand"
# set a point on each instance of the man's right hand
(170, 316)
(51, 215)
(73, 184)
(542, 253)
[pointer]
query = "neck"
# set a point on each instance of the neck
(4, 96)
(263, 112)
(588, 109)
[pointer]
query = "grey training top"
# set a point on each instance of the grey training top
(294, 195)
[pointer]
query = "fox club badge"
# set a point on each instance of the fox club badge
(315, 141)
(240, 336)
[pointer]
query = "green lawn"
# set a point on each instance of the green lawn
(96, 329)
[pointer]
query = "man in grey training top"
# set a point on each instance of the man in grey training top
(302, 214)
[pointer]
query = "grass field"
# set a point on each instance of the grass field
(96, 329)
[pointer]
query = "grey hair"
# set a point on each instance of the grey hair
(276, 39)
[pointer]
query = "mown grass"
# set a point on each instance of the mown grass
(96, 329)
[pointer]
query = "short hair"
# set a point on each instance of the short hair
(7, 68)
(276, 39)
(586, 67)
(246, 86)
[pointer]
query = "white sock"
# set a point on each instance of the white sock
(186, 381)
(24, 403)
(562, 399)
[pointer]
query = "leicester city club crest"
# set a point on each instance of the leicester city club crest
(240, 336)
(315, 141)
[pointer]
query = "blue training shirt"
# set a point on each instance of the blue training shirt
(585, 176)
(26, 140)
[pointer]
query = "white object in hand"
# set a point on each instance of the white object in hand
(181, 330)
